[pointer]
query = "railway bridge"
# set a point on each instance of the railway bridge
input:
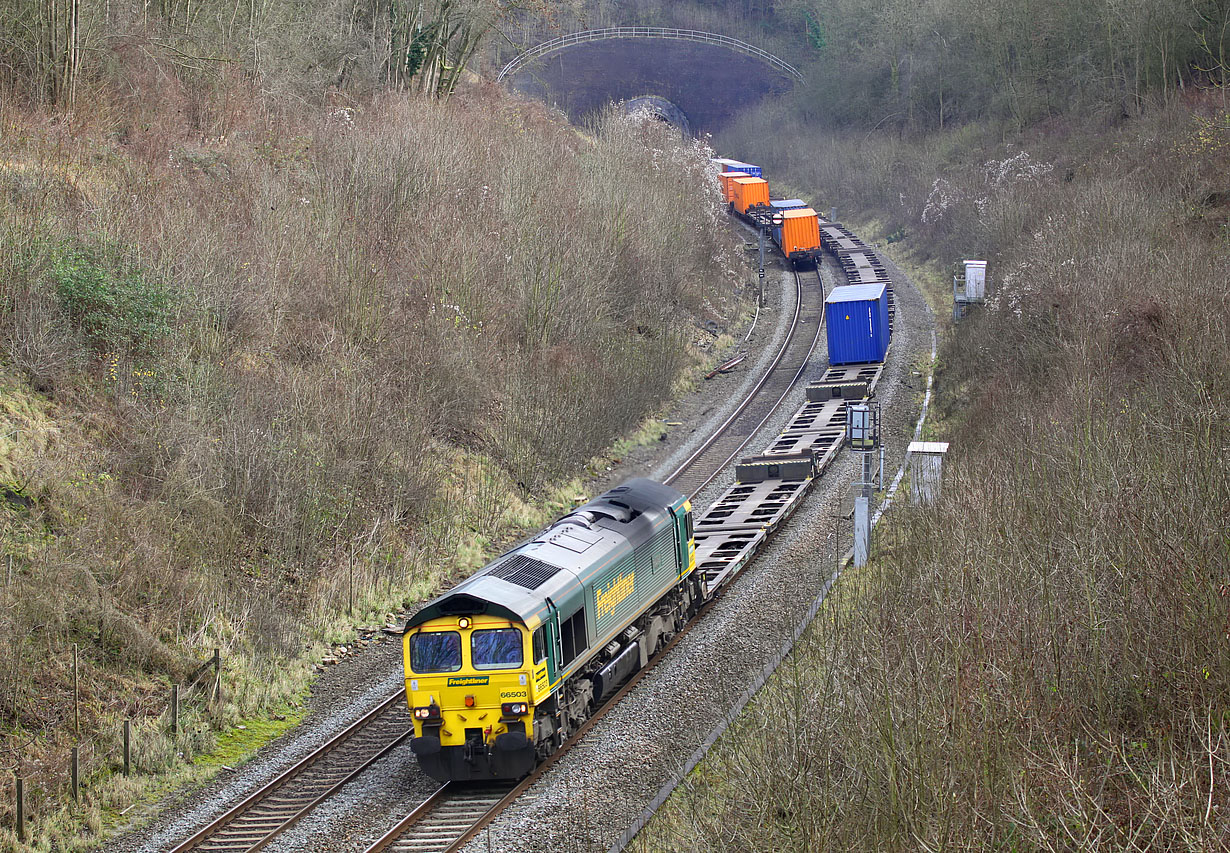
(707, 77)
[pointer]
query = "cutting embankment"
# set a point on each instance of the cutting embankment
(1038, 660)
(265, 365)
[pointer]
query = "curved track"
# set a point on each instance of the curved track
(452, 815)
(728, 441)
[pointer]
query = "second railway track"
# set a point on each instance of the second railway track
(266, 813)
(759, 404)
(453, 814)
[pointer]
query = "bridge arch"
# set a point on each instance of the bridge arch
(555, 45)
(659, 108)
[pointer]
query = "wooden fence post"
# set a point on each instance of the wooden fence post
(127, 747)
(76, 771)
(174, 709)
(76, 698)
(21, 809)
(216, 693)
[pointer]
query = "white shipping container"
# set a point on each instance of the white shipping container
(975, 280)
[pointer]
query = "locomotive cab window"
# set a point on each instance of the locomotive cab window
(495, 648)
(540, 645)
(435, 651)
(691, 531)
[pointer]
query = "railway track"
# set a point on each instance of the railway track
(448, 819)
(455, 813)
(274, 808)
(444, 821)
(727, 442)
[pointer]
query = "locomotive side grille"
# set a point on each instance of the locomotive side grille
(524, 571)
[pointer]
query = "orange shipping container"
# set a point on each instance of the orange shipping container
(726, 179)
(800, 230)
(748, 192)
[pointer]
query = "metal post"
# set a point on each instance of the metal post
(861, 529)
(174, 709)
(862, 513)
(21, 809)
(127, 747)
(76, 769)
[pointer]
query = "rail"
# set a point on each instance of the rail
(561, 42)
(266, 813)
(750, 431)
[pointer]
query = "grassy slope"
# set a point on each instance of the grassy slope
(252, 351)
(1039, 661)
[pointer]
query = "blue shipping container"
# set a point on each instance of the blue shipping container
(788, 204)
(736, 166)
(857, 320)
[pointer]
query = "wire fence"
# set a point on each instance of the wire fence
(672, 33)
(97, 759)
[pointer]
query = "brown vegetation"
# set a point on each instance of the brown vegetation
(279, 348)
(1038, 662)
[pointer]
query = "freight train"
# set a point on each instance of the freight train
(794, 226)
(502, 669)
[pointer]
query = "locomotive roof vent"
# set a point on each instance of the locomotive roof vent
(617, 510)
(583, 518)
(524, 571)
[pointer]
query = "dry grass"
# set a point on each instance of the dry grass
(1039, 661)
(361, 343)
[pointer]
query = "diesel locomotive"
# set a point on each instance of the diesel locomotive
(504, 667)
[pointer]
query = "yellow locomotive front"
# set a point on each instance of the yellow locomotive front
(468, 684)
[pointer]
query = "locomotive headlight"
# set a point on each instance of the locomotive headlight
(463, 623)
(515, 709)
(422, 713)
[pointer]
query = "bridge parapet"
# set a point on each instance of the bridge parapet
(562, 42)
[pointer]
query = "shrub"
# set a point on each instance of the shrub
(116, 307)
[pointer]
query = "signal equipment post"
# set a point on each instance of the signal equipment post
(969, 289)
(863, 434)
(764, 222)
